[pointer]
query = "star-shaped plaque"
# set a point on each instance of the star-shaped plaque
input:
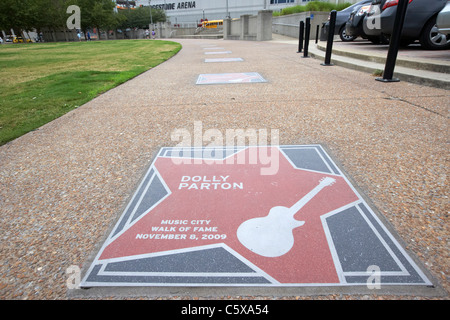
(249, 216)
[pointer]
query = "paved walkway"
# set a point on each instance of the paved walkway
(63, 186)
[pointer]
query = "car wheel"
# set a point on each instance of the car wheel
(432, 39)
(344, 36)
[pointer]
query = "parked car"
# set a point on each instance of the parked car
(354, 26)
(443, 20)
(420, 22)
(341, 19)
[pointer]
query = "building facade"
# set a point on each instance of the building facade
(190, 13)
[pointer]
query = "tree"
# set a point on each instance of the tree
(103, 15)
(15, 14)
(55, 15)
(114, 23)
(26, 15)
(140, 17)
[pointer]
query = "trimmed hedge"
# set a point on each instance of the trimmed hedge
(312, 6)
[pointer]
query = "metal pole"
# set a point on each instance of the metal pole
(300, 36)
(151, 18)
(331, 28)
(394, 43)
(307, 32)
(317, 34)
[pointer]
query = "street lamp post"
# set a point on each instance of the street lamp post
(151, 19)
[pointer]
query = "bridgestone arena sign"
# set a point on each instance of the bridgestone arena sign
(173, 5)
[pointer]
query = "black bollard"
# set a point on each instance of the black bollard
(394, 43)
(317, 34)
(331, 28)
(300, 36)
(307, 32)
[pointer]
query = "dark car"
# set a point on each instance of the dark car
(420, 22)
(354, 26)
(341, 19)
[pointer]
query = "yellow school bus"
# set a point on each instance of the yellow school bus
(212, 24)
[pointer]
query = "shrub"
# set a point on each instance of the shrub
(313, 6)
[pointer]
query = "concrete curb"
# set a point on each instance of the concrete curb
(416, 63)
(410, 70)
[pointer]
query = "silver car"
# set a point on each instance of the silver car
(443, 19)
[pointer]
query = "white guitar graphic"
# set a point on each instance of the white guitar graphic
(271, 236)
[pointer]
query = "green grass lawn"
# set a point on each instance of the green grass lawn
(39, 82)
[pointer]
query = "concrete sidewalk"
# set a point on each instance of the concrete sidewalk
(64, 185)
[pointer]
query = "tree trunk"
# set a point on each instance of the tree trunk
(65, 34)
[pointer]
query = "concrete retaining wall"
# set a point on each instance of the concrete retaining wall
(249, 27)
(289, 25)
